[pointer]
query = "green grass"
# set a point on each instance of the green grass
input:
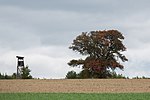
(74, 96)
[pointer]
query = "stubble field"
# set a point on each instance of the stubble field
(76, 86)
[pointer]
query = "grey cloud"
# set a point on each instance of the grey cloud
(43, 24)
(83, 5)
(46, 24)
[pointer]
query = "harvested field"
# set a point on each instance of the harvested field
(76, 86)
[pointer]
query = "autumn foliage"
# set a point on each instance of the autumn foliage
(102, 50)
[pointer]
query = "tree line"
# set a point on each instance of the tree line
(85, 74)
(25, 74)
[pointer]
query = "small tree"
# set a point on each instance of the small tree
(25, 73)
(14, 76)
(103, 50)
(2, 76)
(71, 75)
(84, 74)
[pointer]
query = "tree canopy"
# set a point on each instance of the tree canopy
(102, 50)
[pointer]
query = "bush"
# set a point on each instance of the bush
(5, 76)
(71, 75)
(85, 74)
(143, 77)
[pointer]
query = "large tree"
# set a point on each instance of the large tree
(102, 50)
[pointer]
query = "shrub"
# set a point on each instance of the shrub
(71, 75)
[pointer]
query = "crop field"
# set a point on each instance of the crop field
(78, 89)
(76, 86)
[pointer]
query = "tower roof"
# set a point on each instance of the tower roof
(19, 57)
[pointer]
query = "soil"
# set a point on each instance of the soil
(76, 86)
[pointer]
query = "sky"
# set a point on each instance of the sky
(42, 31)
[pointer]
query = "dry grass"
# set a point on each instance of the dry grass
(76, 86)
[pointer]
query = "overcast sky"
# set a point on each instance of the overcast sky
(42, 31)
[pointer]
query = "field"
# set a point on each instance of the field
(78, 89)
(76, 86)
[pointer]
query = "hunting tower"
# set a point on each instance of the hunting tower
(20, 65)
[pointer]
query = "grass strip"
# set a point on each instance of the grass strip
(74, 96)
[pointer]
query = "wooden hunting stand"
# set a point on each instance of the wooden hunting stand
(20, 65)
